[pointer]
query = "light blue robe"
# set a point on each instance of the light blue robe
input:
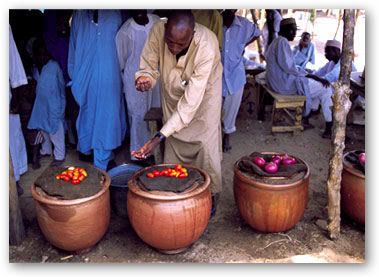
(331, 71)
(130, 40)
(96, 80)
(49, 106)
(305, 55)
(235, 38)
(282, 75)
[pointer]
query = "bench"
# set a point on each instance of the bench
(292, 105)
(154, 119)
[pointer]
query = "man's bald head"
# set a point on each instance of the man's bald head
(179, 30)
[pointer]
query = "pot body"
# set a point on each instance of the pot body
(74, 225)
(270, 207)
(353, 192)
(167, 221)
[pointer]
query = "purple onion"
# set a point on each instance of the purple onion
(271, 167)
(259, 161)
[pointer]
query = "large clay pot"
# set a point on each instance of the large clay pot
(353, 192)
(270, 207)
(168, 221)
(73, 225)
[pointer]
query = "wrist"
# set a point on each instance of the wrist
(160, 136)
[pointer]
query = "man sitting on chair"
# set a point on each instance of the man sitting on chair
(285, 78)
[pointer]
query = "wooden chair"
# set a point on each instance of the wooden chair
(292, 105)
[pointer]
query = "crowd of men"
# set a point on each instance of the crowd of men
(88, 77)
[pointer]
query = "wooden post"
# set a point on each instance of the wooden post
(16, 226)
(259, 43)
(341, 107)
(339, 23)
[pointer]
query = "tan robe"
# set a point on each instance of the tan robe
(191, 99)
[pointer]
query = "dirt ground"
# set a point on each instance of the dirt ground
(227, 239)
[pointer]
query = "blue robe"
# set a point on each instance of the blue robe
(50, 103)
(96, 80)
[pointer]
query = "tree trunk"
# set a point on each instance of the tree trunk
(259, 42)
(341, 107)
(16, 226)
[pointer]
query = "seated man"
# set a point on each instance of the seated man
(285, 78)
(330, 72)
(304, 53)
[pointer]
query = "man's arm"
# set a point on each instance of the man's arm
(193, 95)
(324, 82)
(286, 61)
(148, 72)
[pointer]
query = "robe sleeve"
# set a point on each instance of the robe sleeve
(17, 76)
(61, 88)
(312, 53)
(149, 60)
(333, 75)
(321, 71)
(121, 47)
(286, 61)
(193, 95)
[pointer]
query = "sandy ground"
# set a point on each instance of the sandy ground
(227, 239)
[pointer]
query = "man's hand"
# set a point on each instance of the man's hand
(143, 83)
(146, 150)
(324, 82)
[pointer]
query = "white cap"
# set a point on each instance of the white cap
(333, 43)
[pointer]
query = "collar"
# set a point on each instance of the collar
(141, 27)
(237, 21)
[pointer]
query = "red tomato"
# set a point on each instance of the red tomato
(156, 173)
(150, 175)
(66, 178)
(178, 167)
(75, 182)
(182, 176)
(164, 172)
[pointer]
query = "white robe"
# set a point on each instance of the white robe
(17, 77)
(130, 40)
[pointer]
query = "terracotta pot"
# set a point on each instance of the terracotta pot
(353, 192)
(74, 225)
(270, 207)
(168, 221)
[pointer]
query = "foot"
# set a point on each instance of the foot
(57, 162)
(86, 158)
(43, 155)
(306, 124)
(215, 199)
(328, 130)
(327, 135)
(36, 165)
(20, 190)
(226, 147)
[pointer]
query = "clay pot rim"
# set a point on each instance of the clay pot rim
(348, 167)
(63, 202)
(262, 185)
(169, 197)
